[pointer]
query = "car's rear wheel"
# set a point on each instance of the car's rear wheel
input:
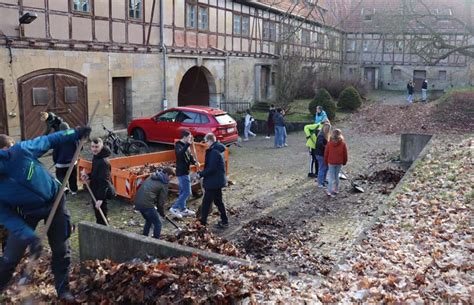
(139, 134)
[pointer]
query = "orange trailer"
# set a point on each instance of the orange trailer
(126, 183)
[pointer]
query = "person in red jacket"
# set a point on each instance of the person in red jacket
(335, 156)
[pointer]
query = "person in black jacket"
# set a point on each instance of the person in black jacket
(321, 143)
(184, 159)
(62, 156)
(270, 123)
(53, 122)
(410, 91)
(424, 91)
(214, 180)
(151, 198)
(99, 178)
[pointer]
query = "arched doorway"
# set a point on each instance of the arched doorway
(60, 91)
(197, 88)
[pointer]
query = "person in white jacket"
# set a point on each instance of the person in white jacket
(248, 124)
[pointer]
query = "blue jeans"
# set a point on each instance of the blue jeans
(151, 218)
(284, 136)
(424, 94)
(280, 136)
(247, 131)
(333, 177)
(322, 169)
(184, 192)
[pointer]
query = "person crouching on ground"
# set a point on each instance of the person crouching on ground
(321, 143)
(151, 198)
(248, 125)
(184, 159)
(28, 192)
(99, 177)
(311, 131)
(53, 122)
(214, 180)
(335, 156)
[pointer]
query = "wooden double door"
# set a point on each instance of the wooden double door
(60, 91)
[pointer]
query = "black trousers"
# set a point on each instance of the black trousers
(313, 162)
(213, 195)
(61, 173)
(98, 218)
(58, 238)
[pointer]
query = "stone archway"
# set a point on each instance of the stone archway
(197, 87)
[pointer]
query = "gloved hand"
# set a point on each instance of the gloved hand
(84, 132)
(36, 248)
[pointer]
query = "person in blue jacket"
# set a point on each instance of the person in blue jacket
(28, 192)
(320, 116)
(214, 180)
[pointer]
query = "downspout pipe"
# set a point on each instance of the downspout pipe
(164, 53)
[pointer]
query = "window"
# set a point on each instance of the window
(169, 116)
(396, 74)
(203, 119)
(237, 25)
(71, 95)
(351, 45)
(81, 6)
(191, 15)
(269, 30)
(332, 43)
(305, 37)
(442, 75)
(224, 119)
(399, 46)
(320, 39)
(388, 46)
(289, 33)
(40, 96)
(366, 45)
(203, 18)
(187, 117)
(135, 9)
(197, 16)
(245, 26)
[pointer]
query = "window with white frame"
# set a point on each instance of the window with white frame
(245, 26)
(203, 21)
(191, 16)
(237, 24)
(351, 45)
(269, 30)
(305, 37)
(135, 9)
(82, 6)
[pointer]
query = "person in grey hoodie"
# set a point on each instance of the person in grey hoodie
(151, 198)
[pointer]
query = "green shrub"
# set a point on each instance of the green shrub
(349, 99)
(323, 99)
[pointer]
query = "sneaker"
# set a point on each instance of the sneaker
(311, 175)
(176, 213)
(267, 137)
(321, 186)
(254, 135)
(330, 195)
(221, 225)
(245, 140)
(67, 297)
(286, 145)
(187, 212)
(73, 193)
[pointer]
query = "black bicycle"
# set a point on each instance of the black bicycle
(126, 146)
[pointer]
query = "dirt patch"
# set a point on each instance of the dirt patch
(387, 175)
(272, 241)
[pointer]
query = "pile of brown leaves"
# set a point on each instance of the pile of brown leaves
(452, 116)
(421, 250)
(271, 241)
(198, 236)
(148, 168)
(171, 281)
(387, 175)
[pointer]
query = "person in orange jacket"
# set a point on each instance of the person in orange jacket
(335, 156)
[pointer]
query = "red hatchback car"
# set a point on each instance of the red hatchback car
(166, 126)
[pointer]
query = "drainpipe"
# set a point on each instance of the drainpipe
(164, 53)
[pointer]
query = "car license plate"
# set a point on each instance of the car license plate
(230, 130)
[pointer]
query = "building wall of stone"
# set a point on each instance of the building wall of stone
(144, 71)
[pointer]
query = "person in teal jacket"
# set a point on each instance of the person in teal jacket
(311, 132)
(320, 116)
(28, 192)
